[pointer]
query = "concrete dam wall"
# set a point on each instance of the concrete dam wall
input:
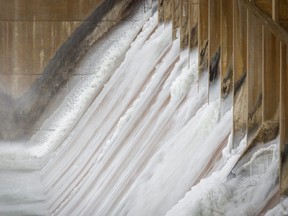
(31, 33)
(242, 59)
(167, 107)
(30, 83)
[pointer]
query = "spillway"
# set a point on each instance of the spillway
(135, 135)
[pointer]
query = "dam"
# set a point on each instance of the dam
(149, 107)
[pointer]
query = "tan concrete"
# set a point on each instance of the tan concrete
(275, 10)
(193, 23)
(226, 61)
(240, 108)
(167, 10)
(214, 17)
(164, 11)
(265, 6)
(214, 26)
(271, 77)
(43, 10)
(283, 13)
(203, 44)
(184, 24)
(31, 31)
(283, 21)
(176, 13)
(255, 71)
(284, 121)
(160, 11)
(268, 127)
(27, 47)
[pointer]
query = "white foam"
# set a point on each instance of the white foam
(244, 194)
(182, 84)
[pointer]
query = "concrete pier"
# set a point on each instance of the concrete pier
(239, 47)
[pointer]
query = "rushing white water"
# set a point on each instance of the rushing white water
(147, 115)
(94, 69)
(243, 194)
(144, 141)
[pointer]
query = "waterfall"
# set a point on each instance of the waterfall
(136, 136)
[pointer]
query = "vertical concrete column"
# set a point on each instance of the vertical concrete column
(167, 10)
(240, 106)
(283, 20)
(193, 23)
(271, 78)
(164, 10)
(282, 13)
(284, 120)
(255, 70)
(184, 23)
(214, 17)
(226, 55)
(275, 10)
(203, 44)
(161, 11)
(176, 12)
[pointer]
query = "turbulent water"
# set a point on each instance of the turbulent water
(135, 137)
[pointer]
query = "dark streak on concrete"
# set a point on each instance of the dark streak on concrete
(18, 115)
(284, 154)
(194, 36)
(203, 61)
(227, 83)
(240, 83)
(214, 67)
(257, 105)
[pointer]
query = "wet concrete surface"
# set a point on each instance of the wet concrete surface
(19, 115)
